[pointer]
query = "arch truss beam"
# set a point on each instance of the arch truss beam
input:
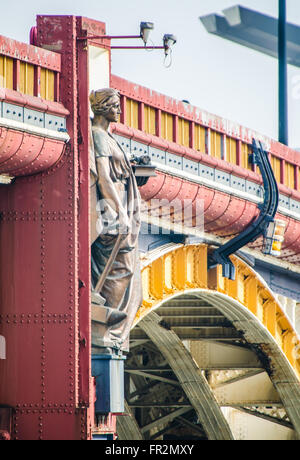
(251, 309)
(193, 383)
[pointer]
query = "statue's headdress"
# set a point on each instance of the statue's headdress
(102, 99)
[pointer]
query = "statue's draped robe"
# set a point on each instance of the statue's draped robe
(122, 289)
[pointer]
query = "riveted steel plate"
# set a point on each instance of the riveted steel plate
(284, 201)
(123, 141)
(254, 189)
(295, 206)
(207, 172)
(13, 112)
(159, 156)
(137, 148)
(190, 166)
(175, 161)
(54, 122)
(222, 178)
(34, 117)
(238, 183)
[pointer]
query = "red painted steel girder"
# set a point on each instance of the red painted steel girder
(10, 142)
(194, 114)
(291, 245)
(249, 213)
(170, 189)
(291, 238)
(224, 214)
(293, 259)
(44, 234)
(48, 156)
(188, 153)
(153, 186)
(206, 195)
(30, 54)
(24, 154)
(257, 244)
(229, 223)
(216, 209)
(33, 102)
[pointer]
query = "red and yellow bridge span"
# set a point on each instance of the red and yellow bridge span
(210, 358)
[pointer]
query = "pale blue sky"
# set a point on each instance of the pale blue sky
(214, 74)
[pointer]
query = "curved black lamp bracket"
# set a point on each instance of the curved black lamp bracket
(257, 228)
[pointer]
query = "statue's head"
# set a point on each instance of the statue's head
(106, 102)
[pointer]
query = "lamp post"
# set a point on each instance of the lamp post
(282, 75)
(268, 35)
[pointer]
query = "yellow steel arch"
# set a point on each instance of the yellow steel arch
(185, 268)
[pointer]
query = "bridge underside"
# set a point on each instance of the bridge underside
(229, 376)
(201, 366)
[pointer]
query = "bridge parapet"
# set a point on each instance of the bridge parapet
(200, 156)
(32, 120)
(200, 134)
(29, 69)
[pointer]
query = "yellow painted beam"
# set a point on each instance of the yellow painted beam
(231, 150)
(251, 293)
(276, 166)
(6, 72)
(215, 144)
(289, 175)
(47, 84)
(156, 279)
(269, 318)
(245, 151)
(200, 266)
(183, 132)
(26, 84)
(166, 126)
(185, 268)
(150, 119)
(200, 138)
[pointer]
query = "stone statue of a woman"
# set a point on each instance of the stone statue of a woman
(118, 213)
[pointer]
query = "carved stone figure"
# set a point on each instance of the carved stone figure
(115, 224)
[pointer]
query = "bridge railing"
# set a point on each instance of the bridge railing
(29, 70)
(30, 110)
(181, 123)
